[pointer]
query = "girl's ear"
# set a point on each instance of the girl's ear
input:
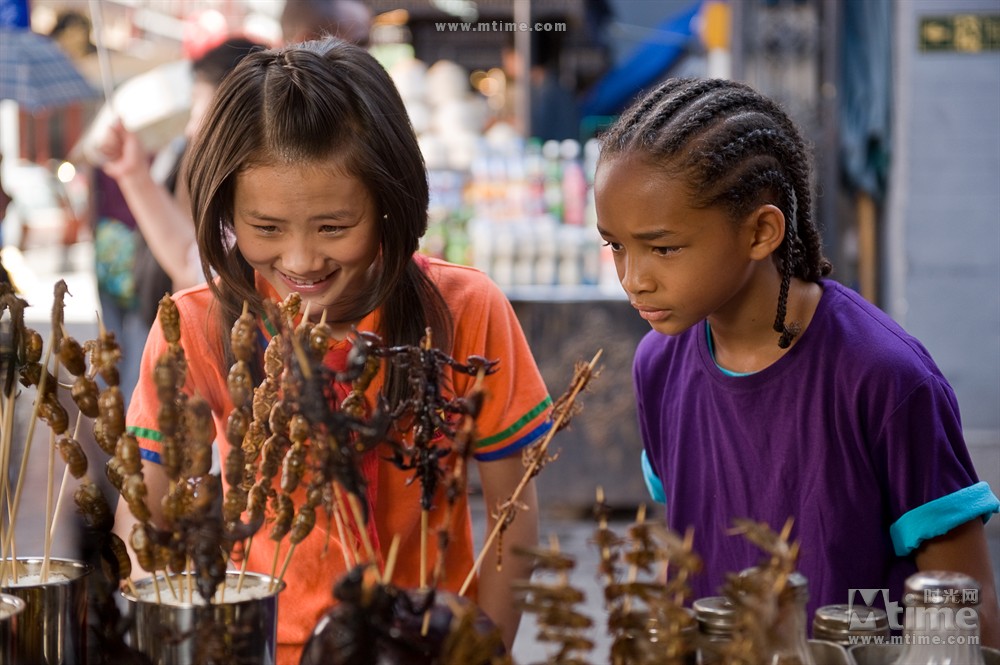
(768, 225)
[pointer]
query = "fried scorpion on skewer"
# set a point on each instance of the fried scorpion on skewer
(554, 603)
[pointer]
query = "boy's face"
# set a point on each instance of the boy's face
(308, 228)
(678, 264)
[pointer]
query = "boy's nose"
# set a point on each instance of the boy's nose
(632, 275)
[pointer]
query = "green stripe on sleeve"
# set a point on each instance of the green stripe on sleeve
(521, 422)
(144, 433)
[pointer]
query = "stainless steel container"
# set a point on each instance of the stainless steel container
(829, 653)
(887, 654)
(10, 609)
(52, 629)
(175, 633)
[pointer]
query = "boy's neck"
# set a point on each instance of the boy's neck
(750, 343)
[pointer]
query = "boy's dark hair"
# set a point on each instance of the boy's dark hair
(737, 149)
(219, 60)
(319, 101)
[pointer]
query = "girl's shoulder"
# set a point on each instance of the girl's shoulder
(458, 284)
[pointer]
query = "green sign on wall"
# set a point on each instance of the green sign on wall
(968, 33)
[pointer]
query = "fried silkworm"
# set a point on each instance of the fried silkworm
(85, 395)
(73, 455)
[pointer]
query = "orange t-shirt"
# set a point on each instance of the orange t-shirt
(514, 415)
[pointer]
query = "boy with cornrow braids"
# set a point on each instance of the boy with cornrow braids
(765, 390)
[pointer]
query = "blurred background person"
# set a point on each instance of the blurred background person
(167, 257)
(302, 20)
(553, 112)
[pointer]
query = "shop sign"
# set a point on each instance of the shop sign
(967, 33)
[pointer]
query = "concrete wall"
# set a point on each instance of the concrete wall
(942, 242)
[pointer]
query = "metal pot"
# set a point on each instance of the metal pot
(187, 633)
(52, 629)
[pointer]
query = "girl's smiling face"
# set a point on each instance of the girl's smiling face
(677, 263)
(308, 228)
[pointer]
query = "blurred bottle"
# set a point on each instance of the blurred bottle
(574, 183)
(848, 625)
(553, 179)
(941, 624)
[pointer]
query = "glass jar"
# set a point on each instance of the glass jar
(941, 624)
(847, 625)
(716, 618)
(789, 642)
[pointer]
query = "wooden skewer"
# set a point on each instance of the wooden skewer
(366, 542)
(530, 472)
(6, 497)
(8, 537)
(284, 567)
(243, 566)
(50, 482)
(390, 561)
(346, 548)
(274, 563)
(424, 518)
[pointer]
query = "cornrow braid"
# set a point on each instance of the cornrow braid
(739, 150)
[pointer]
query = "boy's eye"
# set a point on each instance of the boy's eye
(615, 247)
(328, 229)
(665, 251)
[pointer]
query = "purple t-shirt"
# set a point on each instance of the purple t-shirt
(854, 433)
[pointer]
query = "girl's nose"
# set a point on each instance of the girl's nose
(300, 256)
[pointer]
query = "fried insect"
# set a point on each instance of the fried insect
(201, 430)
(111, 414)
(105, 354)
(127, 453)
(234, 504)
(145, 551)
(304, 522)
(237, 425)
(91, 503)
(73, 455)
(170, 319)
(134, 492)
(292, 467)
(242, 336)
(33, 346)
(85, 395)
(120, 554)
(52, 412)
(240, 383)
(284, 513)
(115, 473)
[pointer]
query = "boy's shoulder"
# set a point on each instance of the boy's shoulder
(862, 331)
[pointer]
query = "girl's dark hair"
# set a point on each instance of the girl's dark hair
(313, 102)
(737, 149)
(213, 65)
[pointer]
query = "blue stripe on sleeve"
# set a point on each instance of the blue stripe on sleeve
(524, 441)
(653, 483)
(150, 456)
(938, 517)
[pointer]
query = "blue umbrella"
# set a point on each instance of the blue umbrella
(36, 74)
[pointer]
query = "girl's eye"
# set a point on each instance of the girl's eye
(615, 247)
(665, 251)
(266, 229)
(328, 229)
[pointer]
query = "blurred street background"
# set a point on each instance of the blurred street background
(900, 100)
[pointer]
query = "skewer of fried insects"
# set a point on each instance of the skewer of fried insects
(535, 458)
